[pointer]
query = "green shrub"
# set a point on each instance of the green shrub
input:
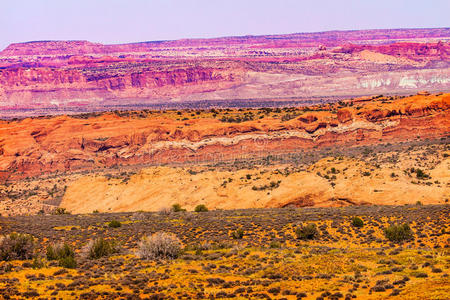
(60, 211)
(238, 234)
(16, 246)
(51, 253)
(68, 262)
(357, 222)
(274, 245)
(271, 186)
(398, 233)
(114, 224)
(62, 253)
(201, 208)
(307, 232)
(177, 208)
(159, 245)
(420, 174)
(59, 251)
(100, 248)
(38, 263)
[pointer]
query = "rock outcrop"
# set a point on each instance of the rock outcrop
(36, 146)
(415, 51)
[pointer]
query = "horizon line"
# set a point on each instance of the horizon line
(225, 36)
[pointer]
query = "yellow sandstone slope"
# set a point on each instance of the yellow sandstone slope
(351, 182)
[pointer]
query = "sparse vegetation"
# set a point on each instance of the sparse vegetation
(271, 186)
(268, 255)
(61, 211)
(100, 247)
(114, 224)
(398, 233)
(238, 234)
(38, 262)
(63, 253)
(160, 245)
(274, 245)
(16, 246)
(68, 262)
(201, 208)
(307, 232)
(177, 208)
(56, 252)
(420, 174)
(357, 222)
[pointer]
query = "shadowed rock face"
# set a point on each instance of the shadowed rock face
(56, 74)
(46, 145)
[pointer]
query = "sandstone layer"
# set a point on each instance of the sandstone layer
(157, 188)
(60, 144)
(377, 175)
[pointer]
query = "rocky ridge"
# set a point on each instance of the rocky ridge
(36, 146)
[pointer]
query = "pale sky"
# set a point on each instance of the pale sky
(122, 21)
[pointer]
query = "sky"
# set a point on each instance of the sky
(123, 21)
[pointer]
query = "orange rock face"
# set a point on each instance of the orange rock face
(36, 146)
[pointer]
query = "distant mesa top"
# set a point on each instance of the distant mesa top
(317, 39)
